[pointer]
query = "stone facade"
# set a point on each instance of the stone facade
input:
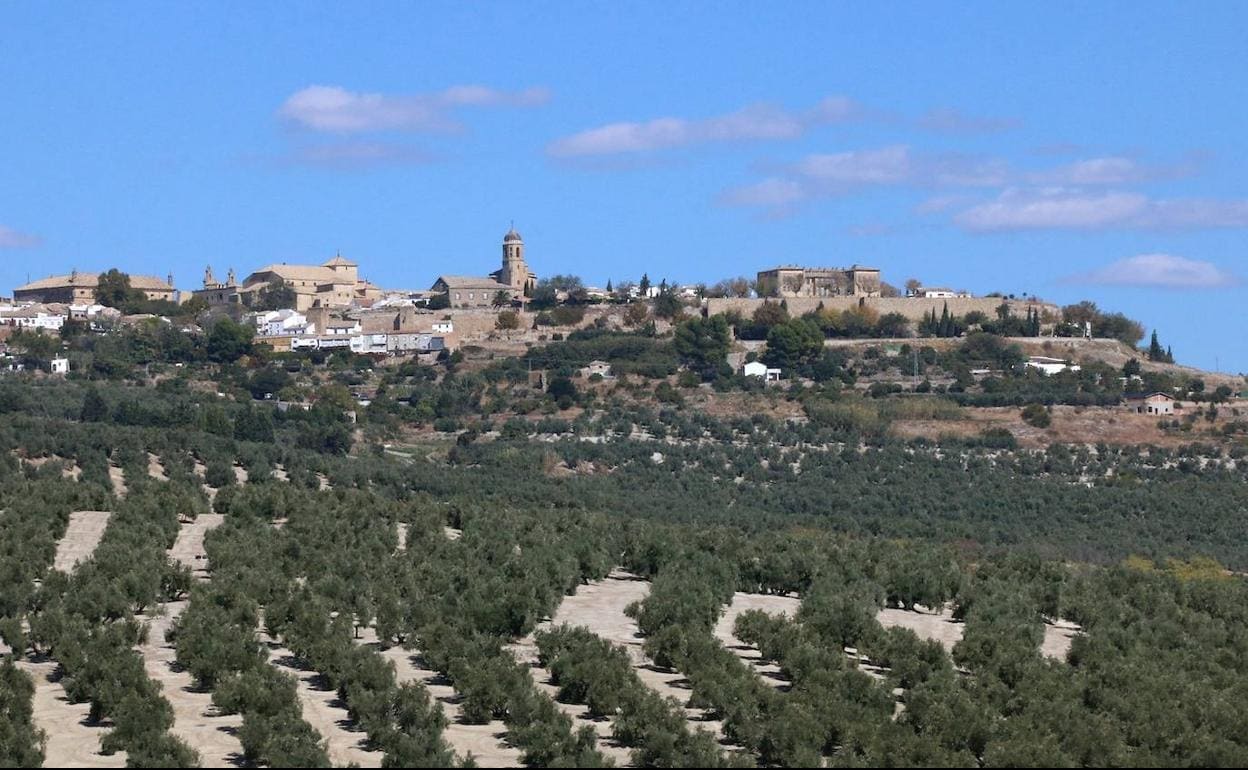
(335, 283)
(792, 281)
(913, 308)
(79, 288)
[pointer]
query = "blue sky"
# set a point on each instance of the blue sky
(1058, 149)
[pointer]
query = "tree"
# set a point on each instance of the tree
(508, 320)
(94, 407)
(912, 286)
(229, 341)
(702, 344)
(114, 290)
(667, 304)
(636, 314)
(276, 296)
(502, 298)
(794, 343)
(644, 286)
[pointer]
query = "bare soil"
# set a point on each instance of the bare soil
(83, 534)
(486, 743)
(941, 627)
(742, 602)
(71, 740)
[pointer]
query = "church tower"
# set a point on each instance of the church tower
(515, 272)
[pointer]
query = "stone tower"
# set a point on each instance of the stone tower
(515, 272)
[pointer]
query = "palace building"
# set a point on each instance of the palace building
(792, 281)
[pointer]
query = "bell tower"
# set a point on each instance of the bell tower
(515, 272)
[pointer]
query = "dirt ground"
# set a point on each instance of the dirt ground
(741, 602)
(188, 549)
(196, 720)
(1070, 425)
(485, 742)
(71, 742)
(83, 534)
(941, 627)
(118, 478)
(599, 607)
(324, 711)
(155, 468)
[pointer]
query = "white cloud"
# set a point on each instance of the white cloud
(1052, 208)
(833, 174)
(12, 239)
(951, 121)
(1111, 170)
(1161, 271)
(1065, 208)
(336, 110)
(758, 121)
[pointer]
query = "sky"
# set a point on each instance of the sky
(1066, 150)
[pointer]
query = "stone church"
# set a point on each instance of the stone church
(514, 279)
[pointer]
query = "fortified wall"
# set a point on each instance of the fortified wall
(913, 308)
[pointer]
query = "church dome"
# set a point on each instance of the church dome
(512, 236)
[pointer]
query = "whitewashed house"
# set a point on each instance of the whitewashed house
(759, 369)
(60, 365)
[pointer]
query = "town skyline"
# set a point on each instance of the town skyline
(1083, 167)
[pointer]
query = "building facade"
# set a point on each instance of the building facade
(514, 279)
(793, 281)
(79, 288)
(335, 283)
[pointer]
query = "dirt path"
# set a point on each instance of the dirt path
(402, 527)
(324, 711)
(83, 534)
(71, 742)
(941, 627)
(240, 474)
(155, 468)
(188, 549)
(599, 607)
(118, 478)
(195, 719)
(742, 602)
(486, 743)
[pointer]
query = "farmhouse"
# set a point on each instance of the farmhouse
(1152, 403)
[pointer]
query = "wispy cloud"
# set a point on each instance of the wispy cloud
(13, 239)
(1065, 208)
(755, 122)
(356, 156)
(836, 174)
(1110, 170)
(334, 109)
(1160, 271)
(948, 120)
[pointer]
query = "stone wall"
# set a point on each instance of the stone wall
(913, 308)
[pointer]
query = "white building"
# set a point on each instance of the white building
(759, 369)
(939, 292)
(60, 366)
(50, 317)
(282, 323)
(1049, 366)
